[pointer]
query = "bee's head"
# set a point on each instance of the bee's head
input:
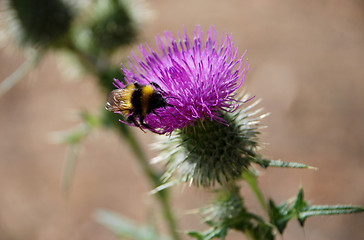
(159, 97)
(158, 101)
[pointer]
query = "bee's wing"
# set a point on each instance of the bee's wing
(119, 100)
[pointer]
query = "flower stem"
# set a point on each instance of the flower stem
(251, 180)
(155, 179)
(19, 74)
(91, 63)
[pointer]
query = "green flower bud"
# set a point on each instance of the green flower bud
(210, 151)
(113, 24)
(39, 22)
(228, 212)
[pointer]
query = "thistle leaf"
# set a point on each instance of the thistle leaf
(126, 228)
(209, 234)
(265, 163)
(300, 209)
(280, 215)
(320, 210)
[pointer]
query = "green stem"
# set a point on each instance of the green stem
(91, 63)
(19, 74)
(251, 180)
(155, 179)
(69, 167)
(250, 234)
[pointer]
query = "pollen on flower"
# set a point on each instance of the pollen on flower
(199, 77)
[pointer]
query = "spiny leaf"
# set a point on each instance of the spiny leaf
(209, 234)
(300, 209)
(319, 210)
(265, 163)
(300, 206)
(194, 234)
(280, 215)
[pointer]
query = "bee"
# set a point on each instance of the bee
(135, 101)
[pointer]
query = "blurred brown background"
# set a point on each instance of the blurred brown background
(307, 64)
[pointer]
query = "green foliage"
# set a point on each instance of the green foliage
(228, 212)
(209, 152)
(265, 163)
(91, 40)
(123, 227)
(109, 25)
(280, 215)
(205, 154)
(114, 27)
(32, 61)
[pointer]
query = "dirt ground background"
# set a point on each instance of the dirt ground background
(307, 64)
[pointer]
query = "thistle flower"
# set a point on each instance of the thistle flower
(213, 140)
(199, 77)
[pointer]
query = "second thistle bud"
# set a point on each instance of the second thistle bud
(228, 212)
(41, 23)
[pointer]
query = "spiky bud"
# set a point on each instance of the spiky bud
(114, 28)
(228, 212)
(210, 152)
(40, 23)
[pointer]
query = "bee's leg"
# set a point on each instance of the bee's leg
(160, 119)
(136, 84)
(158, 88)
(169, 105)
(131, 119)
(165, 107)
(156, 85)
(141, 120)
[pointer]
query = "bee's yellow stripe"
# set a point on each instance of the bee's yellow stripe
(130, 86)
(147, 92)
(128, 93)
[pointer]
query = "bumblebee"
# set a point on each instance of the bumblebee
(136, 101)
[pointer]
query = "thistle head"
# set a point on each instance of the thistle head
(200, 77)
(210, 152)
(212, 133)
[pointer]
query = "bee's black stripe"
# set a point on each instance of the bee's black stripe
(136, 100)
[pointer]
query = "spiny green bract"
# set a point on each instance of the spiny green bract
(209, 151)
(228, 212)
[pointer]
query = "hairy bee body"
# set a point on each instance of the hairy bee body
(135, 101)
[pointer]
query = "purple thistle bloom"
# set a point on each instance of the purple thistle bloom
(199, 77)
